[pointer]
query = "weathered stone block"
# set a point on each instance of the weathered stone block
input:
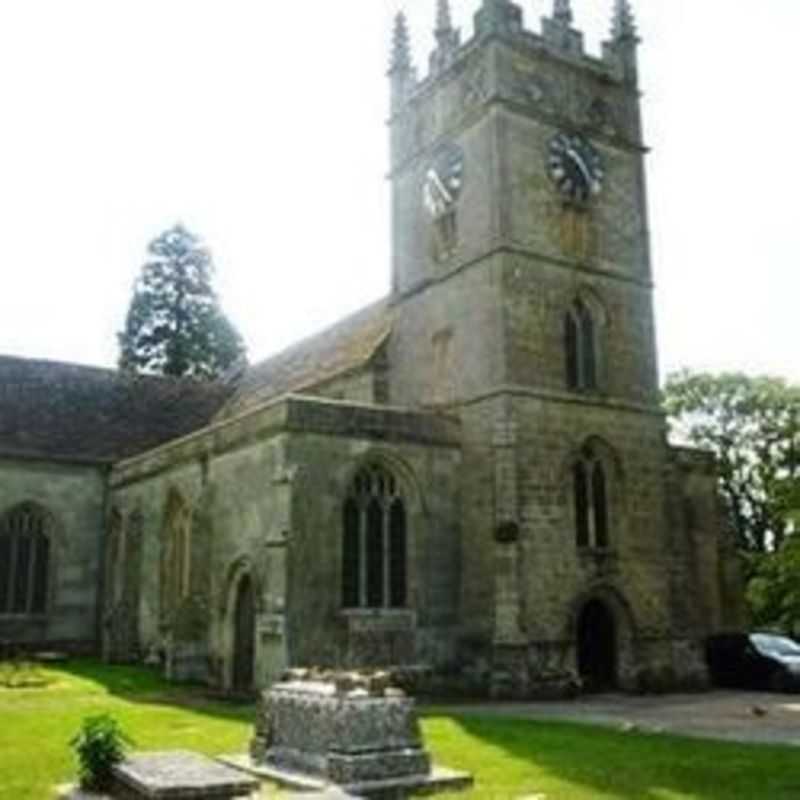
(346, 728)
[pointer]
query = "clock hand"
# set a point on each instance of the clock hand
(576, 157)
(433, 175)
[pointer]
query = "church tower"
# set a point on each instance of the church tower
(522, 289)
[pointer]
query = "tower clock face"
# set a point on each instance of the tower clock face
(444, 180)
(575, 167)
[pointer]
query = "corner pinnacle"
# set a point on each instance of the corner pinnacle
(401, 45)
(562, 12)
(444, 19)
(623, 25)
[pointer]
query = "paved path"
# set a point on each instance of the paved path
(730, 715)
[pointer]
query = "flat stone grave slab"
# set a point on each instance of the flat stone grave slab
(179, 774)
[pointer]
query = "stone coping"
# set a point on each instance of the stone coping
(323, 690)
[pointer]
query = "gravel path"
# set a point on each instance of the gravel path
(729, 715)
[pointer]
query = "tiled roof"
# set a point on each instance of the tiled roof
(345, 346)
(54, 410)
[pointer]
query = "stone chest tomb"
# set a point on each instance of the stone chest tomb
(348, 729)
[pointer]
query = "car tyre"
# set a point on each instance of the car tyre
(779, 681)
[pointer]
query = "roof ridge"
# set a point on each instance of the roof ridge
(110, 372)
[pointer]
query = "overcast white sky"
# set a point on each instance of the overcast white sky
(260, 126)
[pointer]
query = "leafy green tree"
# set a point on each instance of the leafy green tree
(175, 325)
(752, 424)
(773, 593)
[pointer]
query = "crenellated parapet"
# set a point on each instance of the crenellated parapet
(558, 33)
(546, 74)
(505, 19)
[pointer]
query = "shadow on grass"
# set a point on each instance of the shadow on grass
(147, 687)
(585, 761)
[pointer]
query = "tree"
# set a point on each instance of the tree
(773, 593)
(175, 325)
(753, 427)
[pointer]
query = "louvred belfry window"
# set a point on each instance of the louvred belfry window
(24, 561)
(374, 554)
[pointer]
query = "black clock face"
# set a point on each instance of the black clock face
(444, 180)
(575, 167)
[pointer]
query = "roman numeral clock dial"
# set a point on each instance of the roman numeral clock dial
(575, 167)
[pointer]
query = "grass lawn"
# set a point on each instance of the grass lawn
(511, 759)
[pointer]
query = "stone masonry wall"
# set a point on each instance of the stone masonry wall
(537, 296)
(235, 506)
(638, 569)
(75, 496)
(322, 633)
(447, 341)
(264, 495)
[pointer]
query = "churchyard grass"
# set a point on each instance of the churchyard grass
(511, 759)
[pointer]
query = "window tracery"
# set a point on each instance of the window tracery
(24, 561)
(374, 555)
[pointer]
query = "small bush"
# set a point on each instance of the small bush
(100, 745)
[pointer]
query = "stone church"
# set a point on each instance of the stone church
(471, 474)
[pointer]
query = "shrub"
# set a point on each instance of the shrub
(100, 745)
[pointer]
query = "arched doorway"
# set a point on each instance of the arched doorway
(244, 623)
(597, 647)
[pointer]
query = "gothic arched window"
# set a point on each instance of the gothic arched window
(374, 556)
(24, 561)
(176, 553)
(590, 499)
(580, 347)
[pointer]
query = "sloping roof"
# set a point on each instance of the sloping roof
(54, 410)
(347, 345)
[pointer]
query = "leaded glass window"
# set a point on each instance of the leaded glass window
(374, 552)
(24, 561)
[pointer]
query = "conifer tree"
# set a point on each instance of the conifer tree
(175, 325)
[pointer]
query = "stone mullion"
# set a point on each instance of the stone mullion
(117, 587)
(12, 574)
(579, 365)
(180, 558)
(12, 589)
(386, 557)
(186, 575)
(362, 556)
(31, 574)
(590, 504)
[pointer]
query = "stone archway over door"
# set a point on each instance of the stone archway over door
(598, 657)
(244, 636)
